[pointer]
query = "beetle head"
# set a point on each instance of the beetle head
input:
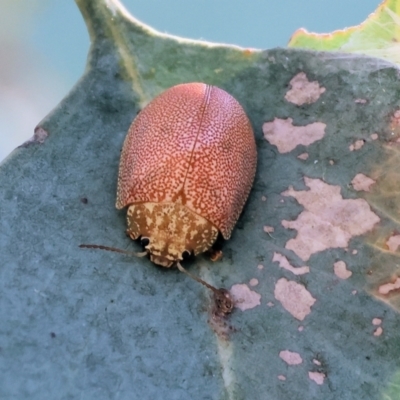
(162, 251)
(169, 231)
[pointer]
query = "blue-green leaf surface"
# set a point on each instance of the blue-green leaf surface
(96, 325)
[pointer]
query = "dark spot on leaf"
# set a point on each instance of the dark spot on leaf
(39, 137)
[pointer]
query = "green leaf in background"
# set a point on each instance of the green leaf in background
(377, 36)
(313, 262)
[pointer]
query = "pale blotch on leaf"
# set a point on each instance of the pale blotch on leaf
(378, 331)
(376, 321)
(362, 182)
(303, 156)
(328, 221)
(253, 282)
(386, 288)
(294, 297)
(268, 229)
(317, 377)
(244, 298)
(357, 145)
(341, 271)
(393, 242)
(303, 91)
(284, 263)
(286, 137)
(290, 357)
(374, 136)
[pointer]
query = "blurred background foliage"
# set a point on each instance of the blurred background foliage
(44, 43)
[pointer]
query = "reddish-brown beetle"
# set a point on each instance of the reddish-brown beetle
(186, 169)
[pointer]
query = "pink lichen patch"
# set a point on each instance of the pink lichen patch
(378, 331)
(393, 242)
(286, 137)
(284, 263)
(282, 377)
(270, 304)
(354, 252)
(328, 220)
(360, 101)
(300, 328)
(294, 297)
(356, 145)
(389, 287)
(290, 357)
(303, 156)
(303, 91)
(268, 229)
(331, 162)
(362, 182)
(376, 321)
(244, 298)
(374, 136)
(260, 266)
(341, 271)
(263, 198)
(317, 377)
(354, 292)
(316, 362)
(253, 282)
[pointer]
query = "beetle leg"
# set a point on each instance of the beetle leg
(215, 255)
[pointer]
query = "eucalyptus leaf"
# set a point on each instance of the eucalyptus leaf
(313, 261)
(377, 36)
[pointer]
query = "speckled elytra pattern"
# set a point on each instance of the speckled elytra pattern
(172, 229)
(193, 144)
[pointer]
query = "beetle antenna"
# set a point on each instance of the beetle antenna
(223, 301)
(178, 264)
(129, 253)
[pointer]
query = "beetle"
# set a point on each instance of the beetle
(186, 169)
